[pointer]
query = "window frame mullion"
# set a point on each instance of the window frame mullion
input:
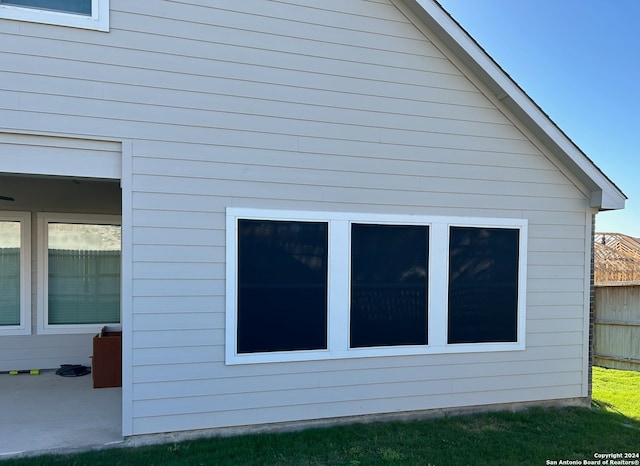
(338, 289)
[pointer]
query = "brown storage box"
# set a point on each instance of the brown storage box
(107, 360)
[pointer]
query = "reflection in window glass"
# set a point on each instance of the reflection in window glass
(9, 273)
(388, 285)
(80, 7)
(282, 285)
(483, 285)
(83, 273)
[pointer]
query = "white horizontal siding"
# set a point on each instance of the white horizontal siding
(294, 389)
(162, 253)
(198, 190)
(212, 370)
(339, 105)
(337, 409)
(180, 270)
(390, 32)
(554, 312)
(423, 178)
(186, 320)
(178, 355)
(330, 398)
(361, 158)
(171, 304)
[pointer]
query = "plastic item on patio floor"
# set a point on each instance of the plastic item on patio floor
(72, 370)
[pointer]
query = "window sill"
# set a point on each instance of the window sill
(378, 352)
(72, 329)
(15, 330)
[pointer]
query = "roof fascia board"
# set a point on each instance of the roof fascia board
(605, 195)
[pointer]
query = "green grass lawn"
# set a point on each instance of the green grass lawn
(525, 438)
(617, 391)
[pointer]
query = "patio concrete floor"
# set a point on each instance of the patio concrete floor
(48, 413)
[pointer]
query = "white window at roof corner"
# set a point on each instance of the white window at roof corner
(79, 261)
(15, 273)
(85, 14)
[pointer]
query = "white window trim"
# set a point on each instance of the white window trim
(24, 328)
(99, 19)
(339, 289)
(43, 219)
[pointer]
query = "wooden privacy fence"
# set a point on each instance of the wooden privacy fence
(617, 325)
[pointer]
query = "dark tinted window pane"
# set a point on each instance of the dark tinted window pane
(282, 285)
(81, 7)
(483, 285)
(388, 285)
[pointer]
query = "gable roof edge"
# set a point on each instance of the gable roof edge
(605, 195)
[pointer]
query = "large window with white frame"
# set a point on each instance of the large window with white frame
(483, 284)
(79, 258)
(388, 285)
(86, 14)
(326, 285)
(282, 285)
(15, 274)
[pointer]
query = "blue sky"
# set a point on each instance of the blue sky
(579, 60)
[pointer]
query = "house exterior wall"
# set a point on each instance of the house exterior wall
(285, 105)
